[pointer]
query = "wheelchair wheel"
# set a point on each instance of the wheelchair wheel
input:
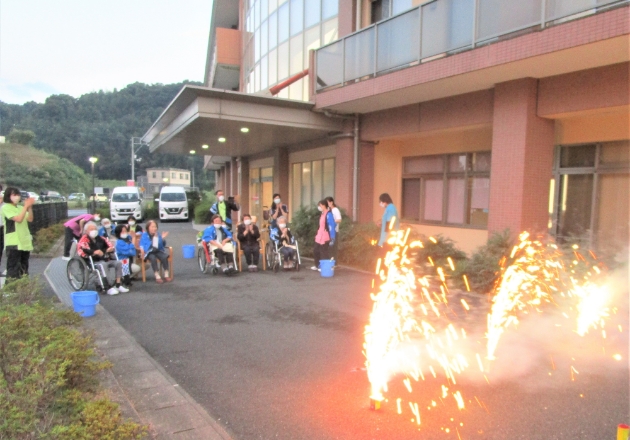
(297, 265)
(215, 270)
(201, 258)
(269, 256)
(276, 263)
(78, 274)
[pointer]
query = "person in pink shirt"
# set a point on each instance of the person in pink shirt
(74, 228)
(326, 234)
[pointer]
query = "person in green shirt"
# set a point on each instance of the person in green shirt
(18, 242)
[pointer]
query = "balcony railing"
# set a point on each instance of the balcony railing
(438, 28)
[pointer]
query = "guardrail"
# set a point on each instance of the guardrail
(436, 28)
(47, 214)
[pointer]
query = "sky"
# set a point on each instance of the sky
(79, 46)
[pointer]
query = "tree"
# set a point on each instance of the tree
(24, 137)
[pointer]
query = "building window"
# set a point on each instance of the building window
(173, 175)
(589, 195)
(452, 189)
(260, 190)
(154, 174)
(311, 182)
(186, 176)
(181, 176)
(163, 174)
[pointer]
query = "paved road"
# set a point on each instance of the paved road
(279, 356)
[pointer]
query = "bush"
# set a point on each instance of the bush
(202, 212)
(483, 267)
(46, 237)
(102, 209)
(304, 225)
(356, 248)
(438, 250)
(152, 211)
(49, 368)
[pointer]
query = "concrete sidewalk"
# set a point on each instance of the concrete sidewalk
(140, 385)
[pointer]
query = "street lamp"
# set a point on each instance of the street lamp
(93, 160)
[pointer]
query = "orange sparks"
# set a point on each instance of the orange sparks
(465, 304)
(450, 263)
(617, 357)
(553, 365)
(466, 282)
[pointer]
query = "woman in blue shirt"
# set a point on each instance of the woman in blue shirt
(385, 201)
(153, 244)
(125, 250)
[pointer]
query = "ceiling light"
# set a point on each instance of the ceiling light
(221, 139)
(245, 130)
(192, 151)
(204, 146)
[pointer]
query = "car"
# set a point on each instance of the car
(34, 195)
(100, 197)
(76, 196)
(51, 196)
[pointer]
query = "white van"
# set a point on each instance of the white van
(126, 201)
(173, 203)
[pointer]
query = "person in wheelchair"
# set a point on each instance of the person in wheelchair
(284, 241)
(219, 239)
(100, 249)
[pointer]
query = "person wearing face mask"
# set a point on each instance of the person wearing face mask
(277, 209)
(286, 242)
(385, 201)
(93, 245)
(105, 228)
(134, 228)
(154, 247)
(126, 251)
(224, 208)
(73, 228)
(326, 234)
(18, 242)
(248, 235)
(219, 240)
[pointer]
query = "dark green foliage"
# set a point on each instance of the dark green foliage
(24, 137)
(152, 211)
(194, 198)
(438, 251)
(202, 212)
(483, 267)
(101, 124)
(304, 225)
(102, 208)
(356, 248)
(48, 373)
(46, 237)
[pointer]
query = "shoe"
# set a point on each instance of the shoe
(168, 279)
(159, 280)
(314, 268)
(122, 289)
(255, 269)
(65, 258)
(113, 291)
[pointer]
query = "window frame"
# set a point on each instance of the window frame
(445, 175)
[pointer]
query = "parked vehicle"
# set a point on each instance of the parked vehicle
(173, 203)
(99, 197)
(51, 196)
(76, 196)
(126, 201)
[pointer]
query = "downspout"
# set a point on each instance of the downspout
(355, 170)
(239, 176)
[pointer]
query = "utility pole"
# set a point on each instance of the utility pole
(135, 141)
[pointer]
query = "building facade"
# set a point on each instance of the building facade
(159, 177)
(476, 116)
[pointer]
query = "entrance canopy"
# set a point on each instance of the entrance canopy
(224, 123)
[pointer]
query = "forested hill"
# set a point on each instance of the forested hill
(99, 124)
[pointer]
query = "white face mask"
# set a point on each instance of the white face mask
(97, 219)
(130, 223)
(282, 226)
(247, 222)
(93, 233)
(277, 201)
(124, 236)
(107, 225)
(221, 198)
(15, 199)
(320, 209)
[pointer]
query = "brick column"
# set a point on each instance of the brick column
(366, 183)
(347, 12)
(522, 159)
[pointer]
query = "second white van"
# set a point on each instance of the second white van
(173, 203)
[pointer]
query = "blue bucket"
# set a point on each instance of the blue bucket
(189, 250)
(327, 268)
(84, 303)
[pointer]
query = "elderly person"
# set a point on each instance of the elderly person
(154, 247)
(248, 235)
(106, 228)
(74, 227)
(93, 245)
(126, 251)
(286, 242)
(219, 238)
(18, 242)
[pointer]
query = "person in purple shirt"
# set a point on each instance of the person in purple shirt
(74, 227)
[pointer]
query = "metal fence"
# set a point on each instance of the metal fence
(47, 214)
(436, 28)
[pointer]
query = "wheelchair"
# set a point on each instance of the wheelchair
(273, 256)
(208, 262)
(81, 272)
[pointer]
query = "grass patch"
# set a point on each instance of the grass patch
(45, 238)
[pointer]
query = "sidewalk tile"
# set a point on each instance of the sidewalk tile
(174, 418)
(204, 433)
(142, 379)
(146, 399)
(132, 365)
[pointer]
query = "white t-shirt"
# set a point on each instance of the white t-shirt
(337, 216)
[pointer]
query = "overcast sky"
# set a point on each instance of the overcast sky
(79, 46)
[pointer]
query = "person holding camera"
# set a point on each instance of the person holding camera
(224, 208)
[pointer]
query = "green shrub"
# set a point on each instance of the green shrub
(356, 248)
(437, 250)
(152, 212)
(202, 212)
(49, 373)
(194, 198)
(304, 225)
(103, 210)
(46, 237)
(483, 267)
